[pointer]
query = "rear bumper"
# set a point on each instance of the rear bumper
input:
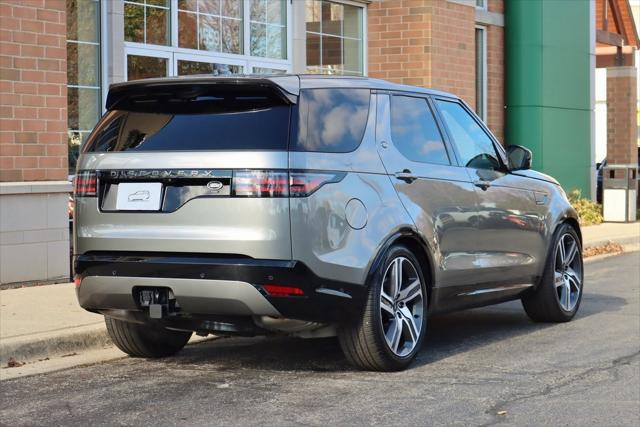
(211, 286)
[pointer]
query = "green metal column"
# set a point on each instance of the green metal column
(548, 86)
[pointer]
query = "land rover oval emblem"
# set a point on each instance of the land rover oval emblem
(214, 185)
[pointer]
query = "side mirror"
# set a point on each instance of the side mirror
(519, 157)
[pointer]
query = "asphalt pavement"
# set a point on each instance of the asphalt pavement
(479, 367)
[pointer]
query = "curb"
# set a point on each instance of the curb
(624, 241)
(626, 249)
(51, 344)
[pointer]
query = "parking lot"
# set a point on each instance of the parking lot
(478, 367)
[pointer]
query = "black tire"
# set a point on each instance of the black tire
(145, 340)
(363, 339)
(544, 304)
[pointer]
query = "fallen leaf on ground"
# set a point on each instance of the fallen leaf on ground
(70, 354)
(608, 248)
(502, 412)
(13, 363)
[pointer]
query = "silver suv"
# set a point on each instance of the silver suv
(311, 206)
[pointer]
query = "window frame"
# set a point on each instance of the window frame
(483, 86)
(102, 85)
(364, 39)
(499, 150)
(452, 158)
(174, 53)
(146, 6)
(159, 53)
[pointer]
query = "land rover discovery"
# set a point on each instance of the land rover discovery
(312, 206)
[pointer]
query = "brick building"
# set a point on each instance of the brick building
(58, 57)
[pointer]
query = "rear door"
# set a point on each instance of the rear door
(510, 236)
(188, 170)
(438, 196)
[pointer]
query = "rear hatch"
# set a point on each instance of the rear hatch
(195, 167)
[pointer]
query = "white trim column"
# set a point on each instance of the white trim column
(115, 43)
(299, 38)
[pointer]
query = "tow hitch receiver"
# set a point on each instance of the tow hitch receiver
(160, 301)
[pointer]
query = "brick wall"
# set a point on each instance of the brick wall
(399, 34)
(453, 48)
(495, 6)
(495, 80)
(621, 116)
(33, 93)
(432, 44)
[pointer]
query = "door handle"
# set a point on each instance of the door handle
(406, 176)
(482, 184)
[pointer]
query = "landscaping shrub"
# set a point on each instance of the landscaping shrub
(590, 212)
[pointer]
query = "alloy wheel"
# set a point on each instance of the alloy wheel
(568, 272)
(401, 306)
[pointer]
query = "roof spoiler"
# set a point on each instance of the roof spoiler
(287, 88)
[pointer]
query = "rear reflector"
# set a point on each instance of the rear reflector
(77, 280)
(283, 291)
(86, 184)
(272, 183)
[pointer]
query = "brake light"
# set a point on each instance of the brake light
(86, 184)
(302, 184)
(283, 291)
(260, 183)
(265, 183)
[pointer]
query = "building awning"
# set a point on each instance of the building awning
(616, 34)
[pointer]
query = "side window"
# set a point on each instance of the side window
(414, 131)
(474, 145)
(331, 120)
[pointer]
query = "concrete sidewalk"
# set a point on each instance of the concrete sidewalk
(46, 321)
(626, 234)
(43, 321)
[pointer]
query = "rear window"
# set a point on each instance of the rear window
(331, 120)
(194, 121)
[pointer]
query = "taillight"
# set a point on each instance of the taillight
(86, 184)
(260, 183)
(302, 184)
(265, 183)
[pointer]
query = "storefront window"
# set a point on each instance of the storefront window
(263, 70)
(481, 72)
(146, 67)
(212, 25)
(84, 100)
(268, 28)
(206, 37)
(147, 21)
(334, 38)
(195, 67)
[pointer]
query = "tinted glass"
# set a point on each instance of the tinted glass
(266, 128)
(414, 131)
(332, 120)
(474, 145)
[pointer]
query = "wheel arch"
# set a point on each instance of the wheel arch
(418, 247)
(568, 216)
(575, 224)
